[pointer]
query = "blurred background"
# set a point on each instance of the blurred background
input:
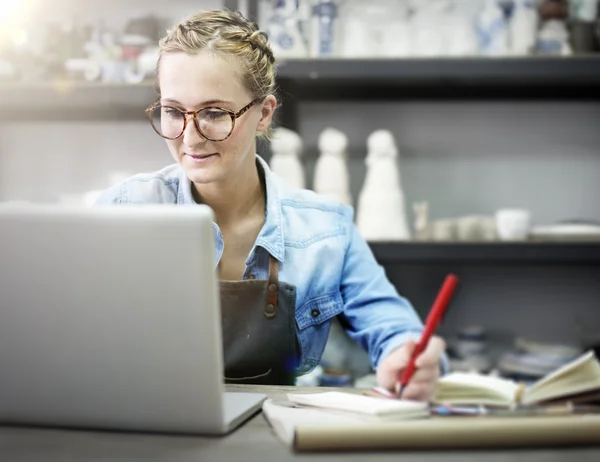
(491, 109)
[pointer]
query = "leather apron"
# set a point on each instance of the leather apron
(259, 330)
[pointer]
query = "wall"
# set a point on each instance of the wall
(43, 161)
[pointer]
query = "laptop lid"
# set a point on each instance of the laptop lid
(110, 318)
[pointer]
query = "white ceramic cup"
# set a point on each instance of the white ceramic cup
(444, 230)
(512, 224)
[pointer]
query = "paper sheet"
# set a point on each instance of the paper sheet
(360, 404)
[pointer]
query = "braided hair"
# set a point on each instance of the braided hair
(232, 35)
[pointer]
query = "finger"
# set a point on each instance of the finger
(418, 391)
(428, 374)
(435, 349)
(392, 365)
(398, 359)
(386, 378)
(432, 354)
(407, 352)
(423, 377)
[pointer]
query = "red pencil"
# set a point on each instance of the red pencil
(433, 320)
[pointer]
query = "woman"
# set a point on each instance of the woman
(288, 260)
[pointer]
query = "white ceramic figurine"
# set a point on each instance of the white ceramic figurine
(381, 210)
(286, 146)
(331, 172)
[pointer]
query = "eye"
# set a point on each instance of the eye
(171, 112)
(215, 114)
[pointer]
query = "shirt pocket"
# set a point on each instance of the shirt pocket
(314, 321)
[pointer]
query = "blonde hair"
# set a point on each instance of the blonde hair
(231, 35)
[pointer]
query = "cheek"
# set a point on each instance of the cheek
(245, 127)
(229, 148)
(173, 146)
(238, 143)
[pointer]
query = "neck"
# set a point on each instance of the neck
(231, 200)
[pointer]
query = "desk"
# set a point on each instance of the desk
(253, 441)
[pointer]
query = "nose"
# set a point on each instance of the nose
(191, 135)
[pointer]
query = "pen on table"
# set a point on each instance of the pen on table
(524, 411)
(433, 319)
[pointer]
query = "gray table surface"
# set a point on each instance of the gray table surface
(253, 441)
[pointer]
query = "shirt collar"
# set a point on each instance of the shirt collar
(271, 234)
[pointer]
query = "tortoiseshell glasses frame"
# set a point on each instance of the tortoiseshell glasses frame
(234, 116)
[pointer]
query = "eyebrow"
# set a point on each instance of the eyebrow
(203, 104)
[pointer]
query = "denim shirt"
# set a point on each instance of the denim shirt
(319, 251)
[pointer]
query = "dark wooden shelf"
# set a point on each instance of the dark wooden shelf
(494, 252)
(531, 70)
(575, 77)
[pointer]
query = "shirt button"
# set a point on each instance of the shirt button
(314, 313)
(251, 276)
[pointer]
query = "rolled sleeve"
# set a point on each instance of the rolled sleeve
(375, 315)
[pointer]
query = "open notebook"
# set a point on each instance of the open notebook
(577, 380)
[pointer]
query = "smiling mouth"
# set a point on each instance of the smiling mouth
(201, 156)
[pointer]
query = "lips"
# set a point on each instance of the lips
(200, 156)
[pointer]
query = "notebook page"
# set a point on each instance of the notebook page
(475, 389)
(580, 375)
(565, 370)
(360, 404)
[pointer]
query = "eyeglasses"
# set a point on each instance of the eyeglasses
(213, 123)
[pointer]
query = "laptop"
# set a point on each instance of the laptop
(110, 319)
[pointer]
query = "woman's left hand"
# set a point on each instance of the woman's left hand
(422, 385)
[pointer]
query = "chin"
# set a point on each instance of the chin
(202, 175)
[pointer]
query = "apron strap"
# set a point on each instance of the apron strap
(272, 288)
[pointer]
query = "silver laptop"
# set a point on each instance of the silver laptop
(110, 318)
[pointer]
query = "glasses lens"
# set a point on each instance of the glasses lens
(167, 121)
(214, 124)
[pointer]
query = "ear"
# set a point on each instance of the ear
(267, 110)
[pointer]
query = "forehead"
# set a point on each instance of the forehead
(191, 80)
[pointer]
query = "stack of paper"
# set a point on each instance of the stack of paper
(336, 410)
(343, 421)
